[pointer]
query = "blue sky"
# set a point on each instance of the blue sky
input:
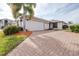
(59, 11)
(49, 11)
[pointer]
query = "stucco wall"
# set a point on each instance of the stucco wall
(1, 23)
(34, 25)
(60, 25)
(46, 26)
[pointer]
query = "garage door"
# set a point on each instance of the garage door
(33, 25)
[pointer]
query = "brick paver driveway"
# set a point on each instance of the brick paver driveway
(48, 43)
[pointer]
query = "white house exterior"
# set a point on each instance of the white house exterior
(4, 22)
(40, 24)
(56, 24)
(35, 24)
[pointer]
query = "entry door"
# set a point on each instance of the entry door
(55, 25)
(6, 22)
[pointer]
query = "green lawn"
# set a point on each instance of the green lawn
(7, 43)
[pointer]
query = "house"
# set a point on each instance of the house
(56, 24)
(4, 22)
(40, 24)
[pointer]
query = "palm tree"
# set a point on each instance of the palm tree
(27, 8)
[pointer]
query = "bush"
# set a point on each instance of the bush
(21, 29)
(9, 30)
(77, 28)
(74, 28)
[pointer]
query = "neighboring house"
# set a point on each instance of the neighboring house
(4, 22)
(40, 24)
(56, 24)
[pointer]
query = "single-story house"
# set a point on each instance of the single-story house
(40, 24)
(4, 22)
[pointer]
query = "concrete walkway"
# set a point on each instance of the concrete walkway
(48, 43)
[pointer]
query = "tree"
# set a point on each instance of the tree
(27, 8)
(70, 22)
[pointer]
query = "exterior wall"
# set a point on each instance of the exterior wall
(46, 26)
(1, 23)
(36, 25)
(51, 26)
(20, 23)
(32, 25)
(60, 24)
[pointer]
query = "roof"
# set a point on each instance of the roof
(42, 20)
(59, 21)
(36, 19)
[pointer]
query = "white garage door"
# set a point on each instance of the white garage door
(33, 25)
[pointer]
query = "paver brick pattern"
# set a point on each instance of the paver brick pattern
(48, 43)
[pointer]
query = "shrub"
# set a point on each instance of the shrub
(21, 29)
(77, 28)
(74, 28)
(9, 30)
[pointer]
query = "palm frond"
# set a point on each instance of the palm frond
(15, 7)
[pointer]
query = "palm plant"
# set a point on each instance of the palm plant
(27, 8)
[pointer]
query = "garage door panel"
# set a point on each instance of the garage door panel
(33, 25)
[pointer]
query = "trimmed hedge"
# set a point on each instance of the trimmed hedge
(11, 29)
(74, 28)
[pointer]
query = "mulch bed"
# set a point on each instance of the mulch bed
(28, 33)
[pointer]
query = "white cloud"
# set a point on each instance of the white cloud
(66, 12)
(5, 11)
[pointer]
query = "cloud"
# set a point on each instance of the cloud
(5, 11)
(49, 11)
(59, 11)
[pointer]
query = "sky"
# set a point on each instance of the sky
(49, 11)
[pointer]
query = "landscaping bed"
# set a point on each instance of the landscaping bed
(73, 28)
(10, 37)
(28, 33)
(7, 43)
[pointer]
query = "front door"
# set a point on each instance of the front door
(55, 25)
(5, 22)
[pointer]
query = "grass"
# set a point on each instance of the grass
(7, 43)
